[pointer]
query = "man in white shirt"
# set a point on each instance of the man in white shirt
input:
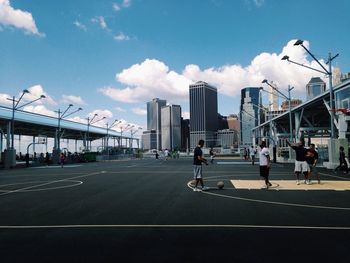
(264, 160)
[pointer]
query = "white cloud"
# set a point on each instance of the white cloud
(4, 99)
(186, 115)
(121, 37)
(80, 25)
(259, 3)
(78, 119)
(124, 4)
(101, 21)
(40, 109)
(17, 18)
(35, 92)
(73, 99)
(100, 114)
(120, 109)
(153, 78)
(139, 111)
(116, 7)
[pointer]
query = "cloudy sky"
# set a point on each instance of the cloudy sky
(112, 56)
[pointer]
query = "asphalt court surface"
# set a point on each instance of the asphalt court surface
(145, 210)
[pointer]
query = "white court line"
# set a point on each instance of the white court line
(51, 182)
(271, 202)
(177, 226)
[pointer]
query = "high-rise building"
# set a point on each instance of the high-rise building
(315, 87)
(154, 118)
(203, 113)
(273, 97)
(250, 113)
(149, 140)
(185, 134)
(171, 127)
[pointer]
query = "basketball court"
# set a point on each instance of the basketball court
(146, 210)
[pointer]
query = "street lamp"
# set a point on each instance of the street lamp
(62, 115)
(16, 107)
(289, 105)
(90, 122)
(109, 127)
(323, 71)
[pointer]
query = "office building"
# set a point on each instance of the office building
(250, 113)
(204, 113)
(154, 118)
(171, 127)
(315, 87)
(149, 140)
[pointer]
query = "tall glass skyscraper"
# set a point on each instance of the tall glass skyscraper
(203, 113)
(154, 118)
(250, 113)
(171, 127)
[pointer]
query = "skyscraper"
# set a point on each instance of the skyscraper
(171, 127)
(154, 118)
(250, 113)
(315, 87)
(203, 113)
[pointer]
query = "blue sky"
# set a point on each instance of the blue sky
(112, 56)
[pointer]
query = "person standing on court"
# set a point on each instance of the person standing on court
(252, 154)
(301, 165)
(343, 165)
(264, 162)
(62, 159)
(212, 155)
(197, 166)
(311, 159)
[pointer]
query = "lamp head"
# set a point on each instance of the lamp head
(70, 105)
(80, 109)
(264, 81)
(42, 97)
(26, 91)
(299, 42)
(285, 57)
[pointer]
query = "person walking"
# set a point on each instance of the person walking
(47, 159)
(62, 159)
(252, 154)
(264, 163)
(212, 155)
(198, 159)
(343, 165)
(311, 159)
(301, 165)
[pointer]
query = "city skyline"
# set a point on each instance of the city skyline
(111, 57)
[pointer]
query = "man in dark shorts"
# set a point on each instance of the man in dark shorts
(197, 166)
(264, 160)
(311, 159)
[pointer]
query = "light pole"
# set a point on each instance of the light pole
(289, 105)
(10, 159)
(16, 107)
(62, 115)
(133, 132)
(109, 127)
(90, 122)
(324, 71)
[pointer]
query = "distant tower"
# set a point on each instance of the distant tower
(273, 97)
(250, 113)
(154, 118)
(203, 113)
(171, 127)
(315, 87)
(336, 76)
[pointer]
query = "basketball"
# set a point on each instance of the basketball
(220, 184)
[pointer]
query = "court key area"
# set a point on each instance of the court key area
(145, 210)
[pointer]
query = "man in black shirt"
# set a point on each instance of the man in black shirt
(311, 159)
(301, 165)
(197, 166)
